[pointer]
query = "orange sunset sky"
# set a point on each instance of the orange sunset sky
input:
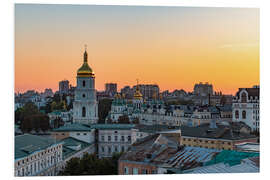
(174, 47)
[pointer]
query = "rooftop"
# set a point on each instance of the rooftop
(221, 132)
(70, 141)
(27, 144)
(246, 166)
(73, 127)
(113, 126)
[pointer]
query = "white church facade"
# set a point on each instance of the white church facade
(85, 106)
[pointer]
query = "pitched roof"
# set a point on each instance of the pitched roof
(70, 141)
(221, 132)
(113, 126)
(251, 92)
(72, 127)
(27, 144)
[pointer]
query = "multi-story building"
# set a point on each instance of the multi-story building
(215, 136)
(85, 106)
(148, 90)
(113, 138)
(127, 92)
(111, 89)
(203, 89)
(246, 107)
(47, 93)
(63, 87)
(37, 156)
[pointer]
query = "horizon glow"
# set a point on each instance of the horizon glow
(174, 47)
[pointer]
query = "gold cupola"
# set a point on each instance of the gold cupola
(137, 94)
(85, 70)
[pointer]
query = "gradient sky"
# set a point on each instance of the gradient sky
(174, 47)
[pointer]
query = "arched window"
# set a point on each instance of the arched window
(236, 114)
(244, 97)
(244, 114)
(83, 83)
(83, 112)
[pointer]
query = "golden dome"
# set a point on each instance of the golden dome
(137, 94)
(85, 70)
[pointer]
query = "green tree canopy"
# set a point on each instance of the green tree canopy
(90, 164)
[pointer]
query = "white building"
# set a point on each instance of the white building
(113, 138)
(246, 107)
(85, 108)
(37, 156)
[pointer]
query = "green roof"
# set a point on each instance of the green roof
(113, 126)
(73, 127)
(231, 157)
(27, 144)
(70, 141)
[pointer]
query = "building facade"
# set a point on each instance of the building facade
(85, 107)
(246, 107)
(63, 87)
(203, 89)
(111, 89)
(37, 156)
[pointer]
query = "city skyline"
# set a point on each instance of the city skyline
(174, 47)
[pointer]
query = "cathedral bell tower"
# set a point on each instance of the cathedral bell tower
(85, 108)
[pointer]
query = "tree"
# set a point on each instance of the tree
(104, 106)
(90, 164)
(123, 119)
(35, 122)
(30, 118)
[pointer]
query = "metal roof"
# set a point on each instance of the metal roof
(27, 144)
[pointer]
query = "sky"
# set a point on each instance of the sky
(174, 47)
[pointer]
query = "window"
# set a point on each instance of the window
(144, 171)
(122, 138)
(126, 170)
(115, 131)
(85, 134)
(83, 95)
(115, 149)
(115, 138)
(135, 171)
(102, 148)
(102, 138)
(78, 134)
(154, 171)
(83, 83)
(244, 114)
(109, 138)
(83, 112)
(109, 150)
(129, 138)
(236, 114)
(123, 148)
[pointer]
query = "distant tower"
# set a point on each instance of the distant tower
(137, 97)
(85, 108)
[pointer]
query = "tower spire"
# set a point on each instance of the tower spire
(85, 54)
